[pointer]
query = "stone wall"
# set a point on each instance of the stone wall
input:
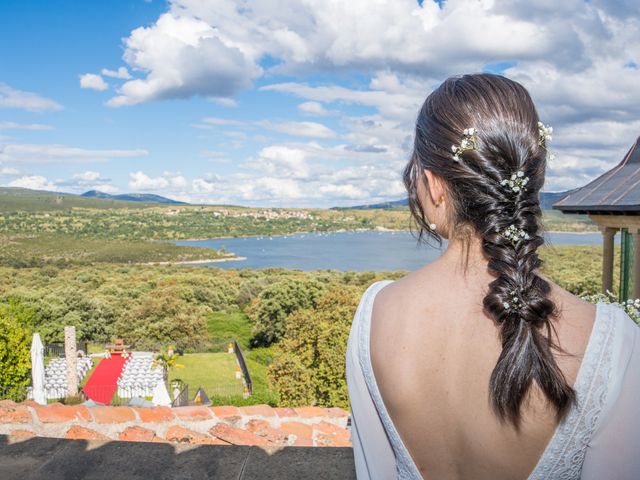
(256, 425)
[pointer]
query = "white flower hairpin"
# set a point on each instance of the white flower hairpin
(545, 132)
(517, 181)
(544, 136)
(515, 301)
(467, 143)
(515, 234)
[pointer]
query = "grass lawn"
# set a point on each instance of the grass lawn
(211, 370)
(215, 372)
(224, 327)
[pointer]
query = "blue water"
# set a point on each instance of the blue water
(358, 251)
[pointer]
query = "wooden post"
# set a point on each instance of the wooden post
(71, 360)
(608, 234)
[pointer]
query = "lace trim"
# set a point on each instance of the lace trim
(405, 465)
(564, 456)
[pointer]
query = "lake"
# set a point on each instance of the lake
(358, 251)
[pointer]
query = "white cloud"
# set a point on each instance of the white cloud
(24, 126)
(140, 181)
(8, 170)
(104, 187)
(300, 129)
(184, 56)
(167, 181)
(50, 154)
(34, 182)
(121, 73)
(313, 108)
(29, 101)
(88, 176)
(93, 82)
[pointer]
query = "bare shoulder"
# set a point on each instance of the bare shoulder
(573, 325)
(398, 314)
(571, 307)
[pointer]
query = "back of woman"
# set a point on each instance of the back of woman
(476, 366)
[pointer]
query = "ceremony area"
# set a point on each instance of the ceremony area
(118, 376)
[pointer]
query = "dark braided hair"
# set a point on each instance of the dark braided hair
(507, 140)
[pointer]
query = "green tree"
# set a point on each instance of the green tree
(310, 368)
(15, 357)
(276, 302)
(167, 360)
(161, 317)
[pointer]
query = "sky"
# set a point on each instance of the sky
(307, 103)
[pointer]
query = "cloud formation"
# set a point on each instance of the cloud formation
(580, 61)
(29, 101)
(52, 154)
(93, 82)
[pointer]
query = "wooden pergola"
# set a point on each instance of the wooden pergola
(612, 201)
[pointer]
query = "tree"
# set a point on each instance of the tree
(15, 357)
(310, 368)
(167, 360)
(276, 302)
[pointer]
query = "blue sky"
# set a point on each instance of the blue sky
(286, 103)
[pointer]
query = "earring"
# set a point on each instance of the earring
(440, 200)
(432, 226)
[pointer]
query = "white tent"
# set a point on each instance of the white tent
(37, 370)
(161, 396)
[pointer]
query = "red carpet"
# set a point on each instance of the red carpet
(103, 381)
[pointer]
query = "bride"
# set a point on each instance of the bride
(476, 366)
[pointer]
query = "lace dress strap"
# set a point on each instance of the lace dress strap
(564, 456)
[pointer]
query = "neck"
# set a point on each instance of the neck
(466, 257)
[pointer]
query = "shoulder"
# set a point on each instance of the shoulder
(373, 291)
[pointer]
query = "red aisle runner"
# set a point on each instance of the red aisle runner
(103, 381)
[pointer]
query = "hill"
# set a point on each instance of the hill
(133, 197)
(547, 199)
(25, 199)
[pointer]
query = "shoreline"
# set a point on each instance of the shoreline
(194, 262)
(377, 229)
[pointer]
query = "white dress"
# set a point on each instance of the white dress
(600, 439)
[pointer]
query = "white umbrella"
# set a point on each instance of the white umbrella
(161, 396)
(37, 369)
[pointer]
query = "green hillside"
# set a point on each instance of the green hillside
(23, 199)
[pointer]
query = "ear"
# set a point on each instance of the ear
(436, 185)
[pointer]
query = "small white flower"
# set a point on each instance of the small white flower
(544, 132)
(516, 182)
(515, 234)
(505, 305)
(468, 142)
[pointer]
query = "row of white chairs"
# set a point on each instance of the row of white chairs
(139, 377)
(55, 375)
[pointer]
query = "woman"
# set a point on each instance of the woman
(476, 366)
